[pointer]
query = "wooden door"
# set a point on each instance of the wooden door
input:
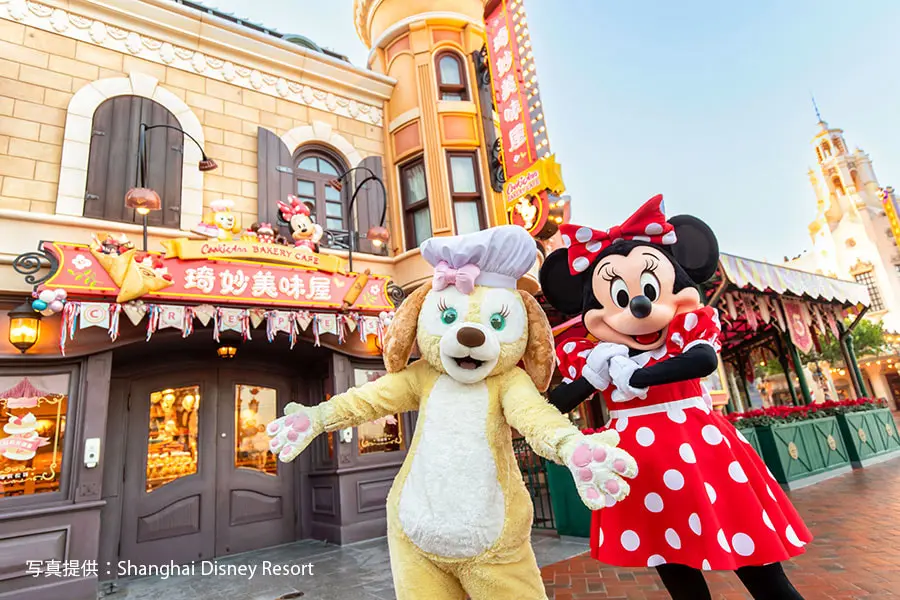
(170, 469)
(254, 491)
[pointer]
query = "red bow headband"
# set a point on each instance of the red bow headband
(296, 207)
(647, 224)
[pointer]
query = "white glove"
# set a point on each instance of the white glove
(599, 468)
(292, 433)
(620, 371)
(596, 369)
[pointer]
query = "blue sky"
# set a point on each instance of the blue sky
(706, 102)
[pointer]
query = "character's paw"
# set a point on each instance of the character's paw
(292, 433)
(600, 469)
(596, 368)
(620, 371)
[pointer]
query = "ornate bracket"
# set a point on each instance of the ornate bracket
(482, 68)
(498, 175)
(29, 263)
(395, 293)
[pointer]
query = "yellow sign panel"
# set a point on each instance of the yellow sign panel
(187, 249)
(889, 203)
(545, 174)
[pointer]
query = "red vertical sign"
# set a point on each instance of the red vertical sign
(514, 85)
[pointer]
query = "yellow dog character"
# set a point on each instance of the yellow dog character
(459, 515)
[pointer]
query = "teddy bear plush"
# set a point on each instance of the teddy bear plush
(459, 515)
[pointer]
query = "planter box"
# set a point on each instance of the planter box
(804, 452)
(870, 436)
(572, 517)
(752, 438)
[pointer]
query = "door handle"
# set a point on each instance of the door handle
(224, 435)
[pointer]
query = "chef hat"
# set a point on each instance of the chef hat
(221, 205)
(501, 255)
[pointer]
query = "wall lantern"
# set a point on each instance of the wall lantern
(143, 200)
(378, 235)
(226, 352)
(24, 327)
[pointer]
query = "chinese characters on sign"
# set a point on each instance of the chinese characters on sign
(223, 281)
(514, 82)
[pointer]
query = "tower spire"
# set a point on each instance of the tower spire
(816, 107)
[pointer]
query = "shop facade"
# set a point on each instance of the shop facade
(133, 409)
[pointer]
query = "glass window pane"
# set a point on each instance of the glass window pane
(326, 167)
(306, 188)
(466, 217)
(450, 70)
(453, 97)
(254, 408)
(331, 193)
(310, 163)
(422, 225)
(414, 183)
(33, 415)
(334, 209)
(462, 172)
(334, 224)
(172, 445)
(381, 435)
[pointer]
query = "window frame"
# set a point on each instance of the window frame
(868, 280)
(319, 181)
(66, 491)
(409, 228)
(477, 196)
(461, 89)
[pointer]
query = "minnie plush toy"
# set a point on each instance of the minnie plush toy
(702, 499)
(295, 213)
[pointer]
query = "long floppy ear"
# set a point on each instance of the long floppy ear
(697, 250)
(401, 335)
(563, 290)
(539, 358)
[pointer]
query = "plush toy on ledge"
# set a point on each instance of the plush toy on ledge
(459, 515)
(703, 499)
(304, 231)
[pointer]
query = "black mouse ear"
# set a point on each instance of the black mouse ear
(696, 250)
(563, 290)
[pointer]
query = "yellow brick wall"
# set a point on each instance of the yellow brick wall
(40, 71)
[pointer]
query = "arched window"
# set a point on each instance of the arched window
(838, 186)
(113, 161)
(826, 150)
(855, 177)
(451, 76)
(314, 167)
(819, 153)
(838, 145)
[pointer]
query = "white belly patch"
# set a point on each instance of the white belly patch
(451, 503)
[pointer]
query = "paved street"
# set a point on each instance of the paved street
(856, 554)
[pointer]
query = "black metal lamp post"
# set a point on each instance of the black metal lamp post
(142, 199)
(377, 234)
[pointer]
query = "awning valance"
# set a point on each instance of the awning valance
(748, 274)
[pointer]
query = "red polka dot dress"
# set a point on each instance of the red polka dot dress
(702, 497)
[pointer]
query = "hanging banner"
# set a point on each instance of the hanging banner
(171, 316)
(299, 256)
(218, 282)
(797, 324)
(506, 37)
(94, 314)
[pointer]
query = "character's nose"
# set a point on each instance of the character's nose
(470, 337)
(640, 307)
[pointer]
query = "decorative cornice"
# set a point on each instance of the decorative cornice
(98, 33)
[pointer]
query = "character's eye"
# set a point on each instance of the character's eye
(498, 321)
(650, 286)
(449, 316)
(619, 292)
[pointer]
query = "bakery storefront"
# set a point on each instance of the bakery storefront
(135, 402)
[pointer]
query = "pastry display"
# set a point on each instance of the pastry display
(20, 425)
(114, 253)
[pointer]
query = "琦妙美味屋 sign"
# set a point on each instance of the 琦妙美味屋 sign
(129, 276)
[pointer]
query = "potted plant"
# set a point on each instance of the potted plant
(805, 444)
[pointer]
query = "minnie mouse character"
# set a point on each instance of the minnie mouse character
(703, 499)
(304, 231)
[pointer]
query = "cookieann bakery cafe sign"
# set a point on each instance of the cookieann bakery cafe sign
(211, 271)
